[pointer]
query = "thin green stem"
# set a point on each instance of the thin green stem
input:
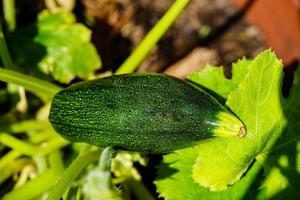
(85, 148)
(43, 89)
(9, 14)
(4, 54)
(72, 193)
(56, 162)
(53, 144)
(29, 149)
(13, 168)
(133, 61)
(9, 158)
(41, 136)
(17, 144)
(35, 187)
(71, 174)
(40, 162)
(25, 126)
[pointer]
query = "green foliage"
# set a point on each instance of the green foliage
(69, 50)
(263, 165)
(255, 97)
(31, 162)
(282, 166)
(176, 171)
(213, 78)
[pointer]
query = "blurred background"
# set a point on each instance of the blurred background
(208, 31)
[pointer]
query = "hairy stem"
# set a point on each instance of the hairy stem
(71, 174)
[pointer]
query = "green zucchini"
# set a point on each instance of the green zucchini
(150, 113)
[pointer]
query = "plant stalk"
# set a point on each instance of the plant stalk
(139, 54)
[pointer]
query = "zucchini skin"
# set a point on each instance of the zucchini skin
(149, 113)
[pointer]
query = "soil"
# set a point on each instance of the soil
(211, 25)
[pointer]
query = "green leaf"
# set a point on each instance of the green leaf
(221, 162)
(213, 77)
(175, 180)
(282, 171)
(256, 97)
(282, 166)
(69, 50)
(231, 158)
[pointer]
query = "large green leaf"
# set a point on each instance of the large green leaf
(256, 97)
(69, 50)
(221, 162)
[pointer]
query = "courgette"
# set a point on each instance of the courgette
(150, 113)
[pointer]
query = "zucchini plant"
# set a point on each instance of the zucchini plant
(207, 151)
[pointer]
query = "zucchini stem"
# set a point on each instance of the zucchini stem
(71, 173)
(105, 159)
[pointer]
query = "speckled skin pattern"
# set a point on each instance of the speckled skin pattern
(150, 113)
